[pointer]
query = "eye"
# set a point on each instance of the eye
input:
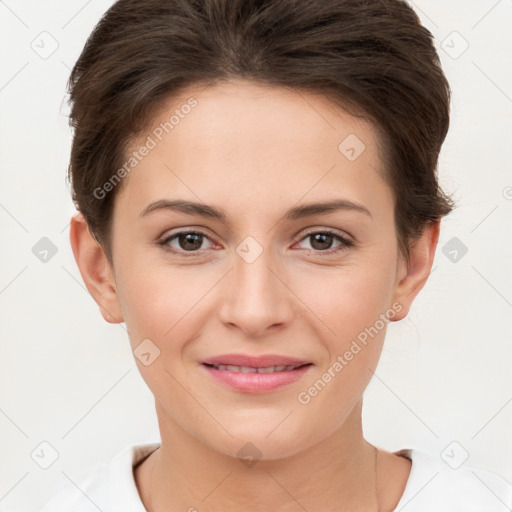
(186, 241)
(321, 241)
(191, 242)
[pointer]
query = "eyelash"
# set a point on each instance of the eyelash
(346, 243)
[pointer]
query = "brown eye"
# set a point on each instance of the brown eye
(185, 242)
(322, 242)
(190, 241)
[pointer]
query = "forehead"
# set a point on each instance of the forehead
(257, 113)
(255, 144)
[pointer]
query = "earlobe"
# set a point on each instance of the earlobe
(95, 269)
(417, 270)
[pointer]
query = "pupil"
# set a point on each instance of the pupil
(189, 239)
(321, 238)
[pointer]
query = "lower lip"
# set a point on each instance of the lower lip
(257, 382)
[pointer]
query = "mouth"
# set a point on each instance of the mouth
(253, 369)
(255, 375)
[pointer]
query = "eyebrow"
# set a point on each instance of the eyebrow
(295, 213)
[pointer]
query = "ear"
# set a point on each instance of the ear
(95, 269)
(412, 275)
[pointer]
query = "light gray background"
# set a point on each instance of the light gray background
(68, 378)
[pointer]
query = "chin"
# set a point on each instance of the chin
(251, 446)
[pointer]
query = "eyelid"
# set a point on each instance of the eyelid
(346, 240)
(165, 239)
(334, 231)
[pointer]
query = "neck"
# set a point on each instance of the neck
(336, 474)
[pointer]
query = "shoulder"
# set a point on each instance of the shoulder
(446, 485)
(108, 486)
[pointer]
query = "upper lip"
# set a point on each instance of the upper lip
(263, 361)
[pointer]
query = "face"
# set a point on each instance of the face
(317, 286)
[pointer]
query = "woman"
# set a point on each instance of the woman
(258, 199)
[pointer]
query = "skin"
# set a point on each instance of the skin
(255, 152)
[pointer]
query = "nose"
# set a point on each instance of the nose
(256, 297)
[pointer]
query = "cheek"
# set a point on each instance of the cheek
(156, 301)
(348, 299)
(160, 304)
(352, 313)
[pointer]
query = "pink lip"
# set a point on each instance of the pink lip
(255, 382)
(254, 361)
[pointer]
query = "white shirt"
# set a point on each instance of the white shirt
(433, 486)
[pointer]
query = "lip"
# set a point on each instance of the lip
(254, 361)
(255, 382)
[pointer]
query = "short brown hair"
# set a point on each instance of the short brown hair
(372, 57)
